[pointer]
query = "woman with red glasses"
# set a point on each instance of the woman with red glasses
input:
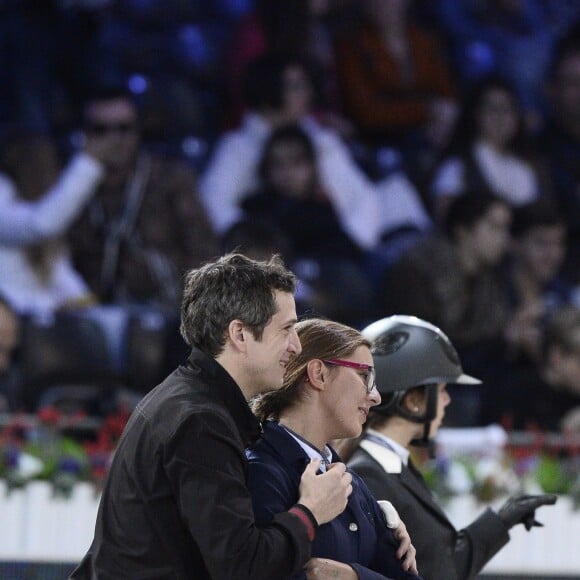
(327, 394)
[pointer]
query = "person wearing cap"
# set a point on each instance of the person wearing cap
(414, 361)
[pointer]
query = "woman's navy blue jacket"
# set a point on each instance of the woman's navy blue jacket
(359, 536)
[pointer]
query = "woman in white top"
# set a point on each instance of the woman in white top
(487, 150)
(29, 221)
(36, 274)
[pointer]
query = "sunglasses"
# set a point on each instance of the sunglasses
(369, 378)
(105, 128)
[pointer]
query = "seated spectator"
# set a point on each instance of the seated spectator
(256, 239)
(299, 27)
(145, 226)
(291, 198)
(37, 277)
(546, 396)
(327, 393)
(9, 338)
(535, 284)
(279, 91)
(561, 144)
(453, 279)
(395, 84)
(260, 240)
(513, 39)
(487, 151)
(26, 221)
(535, 289)
(50, 51)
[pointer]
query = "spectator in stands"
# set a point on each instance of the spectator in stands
(511, 38)
(50, 52)
(279, 91)
(257, 239)
(301, 27)
(545, 396)
(487, 150)
(533, 273)
(561, 144)
(145, 226)
(39, 277)
(9, 338)
(395, 84)
(453, 278)
(535, 289)
(27, 221)
(290, 197)
(260, 239)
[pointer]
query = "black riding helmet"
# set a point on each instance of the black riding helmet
(410, 352)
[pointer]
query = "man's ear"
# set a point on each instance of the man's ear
(237, 335)
(317, 374)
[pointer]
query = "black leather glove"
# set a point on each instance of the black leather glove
(520, 509)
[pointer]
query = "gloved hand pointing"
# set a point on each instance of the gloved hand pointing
(520, 509)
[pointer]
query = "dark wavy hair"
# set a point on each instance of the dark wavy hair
(233, 287)
(466, 210)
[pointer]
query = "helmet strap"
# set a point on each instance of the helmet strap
(396, 406)
(431, 395)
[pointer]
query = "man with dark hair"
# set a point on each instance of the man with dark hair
(145, 227)
(176, 503)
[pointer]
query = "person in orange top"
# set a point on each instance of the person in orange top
(394, 81)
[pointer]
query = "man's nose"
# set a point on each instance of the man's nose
(295, 345)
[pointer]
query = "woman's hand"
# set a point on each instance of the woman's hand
(406, 551)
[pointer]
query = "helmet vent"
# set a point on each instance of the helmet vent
(449, 351)
(392, 342)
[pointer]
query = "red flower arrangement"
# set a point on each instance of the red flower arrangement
(62, 449)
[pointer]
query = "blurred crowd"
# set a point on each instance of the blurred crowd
(404, 157)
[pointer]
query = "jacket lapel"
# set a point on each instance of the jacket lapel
(414, 482)
(409, 476)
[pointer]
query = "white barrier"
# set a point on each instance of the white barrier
(36, 526)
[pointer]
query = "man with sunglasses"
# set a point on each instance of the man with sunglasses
(145, 226)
